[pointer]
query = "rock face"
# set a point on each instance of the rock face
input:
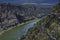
(47, 29)
(11, 15)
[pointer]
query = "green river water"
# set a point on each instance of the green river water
(17, 33)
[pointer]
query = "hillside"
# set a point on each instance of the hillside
(46, 29)
(12, 14)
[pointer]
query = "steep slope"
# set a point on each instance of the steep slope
(47, 29)
(11, 14)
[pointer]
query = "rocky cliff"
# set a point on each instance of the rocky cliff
(12, 14)
(47, 28)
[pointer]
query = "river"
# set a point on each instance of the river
(18, 33)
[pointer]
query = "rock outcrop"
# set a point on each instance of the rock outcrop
(47, 29)
(11, 14)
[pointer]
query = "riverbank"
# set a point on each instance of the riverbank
(18, 26)
(18, 32)
(45, 29)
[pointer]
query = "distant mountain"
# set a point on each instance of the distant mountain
(12, 14)
(30, 1)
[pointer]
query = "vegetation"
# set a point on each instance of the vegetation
(47, 29)
(12, 14)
